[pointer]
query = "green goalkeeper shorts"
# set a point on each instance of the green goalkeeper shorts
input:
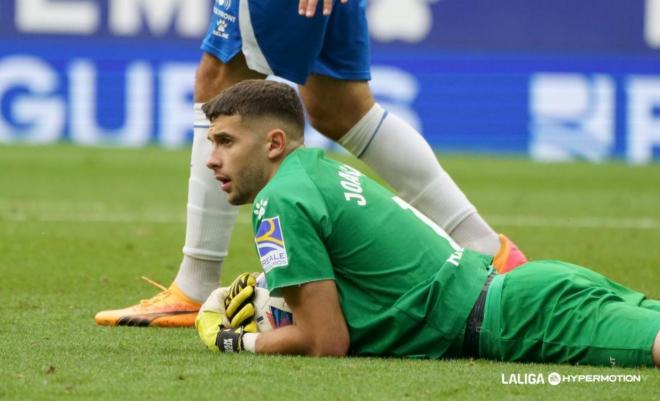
(556, 312)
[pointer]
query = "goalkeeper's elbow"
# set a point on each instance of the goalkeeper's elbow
(333, 352)
(335, 345)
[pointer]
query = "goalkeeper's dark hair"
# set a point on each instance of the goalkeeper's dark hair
(259, 98)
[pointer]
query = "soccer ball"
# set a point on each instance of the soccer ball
(270, 312)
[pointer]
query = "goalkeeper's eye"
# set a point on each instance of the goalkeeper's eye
(225, 141)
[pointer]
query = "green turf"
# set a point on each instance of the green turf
(78, 227)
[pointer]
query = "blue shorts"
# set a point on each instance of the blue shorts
(277, 41)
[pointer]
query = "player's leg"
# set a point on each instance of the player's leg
(555, 312)
(213, 75)
(209, 221)
(210, 218)
(340, 106)
(341, 52)
(346, 112)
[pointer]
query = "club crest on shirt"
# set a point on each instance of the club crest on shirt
(270, 244)
(260, 208)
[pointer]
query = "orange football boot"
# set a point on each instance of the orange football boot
(169, 308)
(508, 257)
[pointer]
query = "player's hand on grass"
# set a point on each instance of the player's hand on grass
(308, 7)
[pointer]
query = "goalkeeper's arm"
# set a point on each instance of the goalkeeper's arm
(319, 327)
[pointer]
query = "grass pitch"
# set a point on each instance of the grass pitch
(78, 227)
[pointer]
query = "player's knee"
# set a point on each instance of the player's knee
(320, 119)
(213, 75)
(208, 78)
(326, 119)
(335, 106)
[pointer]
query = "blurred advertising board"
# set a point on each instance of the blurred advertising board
(556, 79)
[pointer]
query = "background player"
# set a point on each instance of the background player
(365, 273)
(328, 56)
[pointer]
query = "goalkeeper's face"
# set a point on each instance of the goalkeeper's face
(239, 158)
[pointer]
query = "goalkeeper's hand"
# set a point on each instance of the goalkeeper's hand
(213, 317)
(239, 308)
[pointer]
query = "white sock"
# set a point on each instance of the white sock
(401, 156)
(197, 278)
(474, 233)
(209, 223)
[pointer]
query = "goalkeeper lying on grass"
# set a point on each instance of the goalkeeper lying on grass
(364, 273)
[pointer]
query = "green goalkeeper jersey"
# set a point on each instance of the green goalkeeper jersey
(406, 289)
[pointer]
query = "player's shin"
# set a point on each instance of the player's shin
(209, 223)
(400, 155)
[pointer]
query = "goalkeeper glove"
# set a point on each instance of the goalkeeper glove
(238, 303)
(214, 316)
(214, 328)
(211, 318)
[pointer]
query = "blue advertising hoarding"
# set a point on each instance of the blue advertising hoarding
(557, 79)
